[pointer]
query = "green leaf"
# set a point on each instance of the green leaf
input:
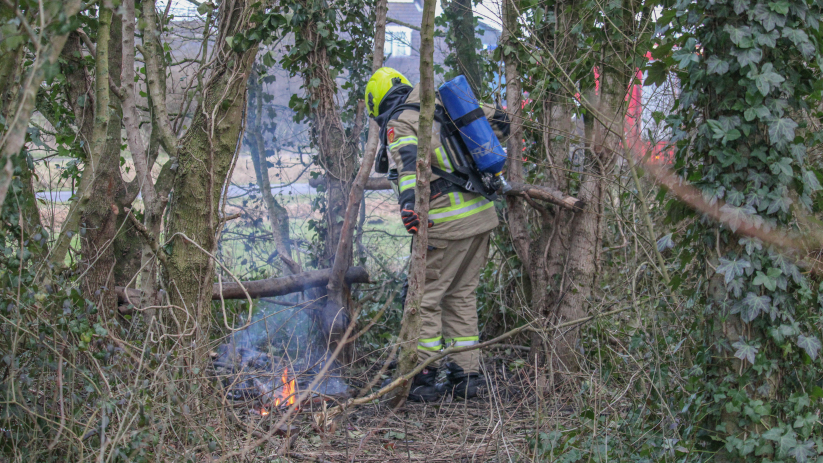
(656, 73)
(809, 344)
(782, 130)
(768, 39)
(732, 268)
(745, 351)
(773, 434)
(758, 112)
(715, 65)
(755, 305)
(811, 181)
(787, 442)
(803, 452)
(763, 279)
(740, 36)
(781, 7)
(748, 56)
(665, 243)
(766, 79)
(736, 287)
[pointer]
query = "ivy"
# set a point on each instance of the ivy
(747, 82)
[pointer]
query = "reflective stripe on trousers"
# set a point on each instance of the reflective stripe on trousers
(463, 341)
(430, 344)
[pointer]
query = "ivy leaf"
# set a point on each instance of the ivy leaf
(760, 112)
(740, 36)
(797, 36)
(750, 244)
(802, 452)
(755, 305)
(766, 79)
(781, 7)
(748, 56)
(784, 166)
(735, 216)
(787, 442)
(773, 434)
(782, 130)
(665, 243)
(810, 344)
(768, 40)
(763, 279)
(810, 180)
(735, 287)
(717, 66)
(745, 351)
(732, 268)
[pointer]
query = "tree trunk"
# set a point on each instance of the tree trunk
(21, 109)
(104, 238)
(410, 329)
(278, 215)
(204, 155)
(462, 41)
(337, 156)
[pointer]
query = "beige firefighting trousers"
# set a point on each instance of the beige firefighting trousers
(449, 309)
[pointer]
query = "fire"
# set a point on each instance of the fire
(288, 392)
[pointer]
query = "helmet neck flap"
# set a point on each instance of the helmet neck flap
(394, 97)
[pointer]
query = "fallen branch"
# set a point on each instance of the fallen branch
(270, 286)
(330, 414)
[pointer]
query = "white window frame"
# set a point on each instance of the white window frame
(398, 41)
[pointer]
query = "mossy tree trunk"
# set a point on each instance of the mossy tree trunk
(204, 156)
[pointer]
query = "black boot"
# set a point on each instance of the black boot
(464, 385)
(424, 386)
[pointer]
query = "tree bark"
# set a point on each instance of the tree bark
(338, 294)
(337, 154)
(410, 329)
(109, 250)
(462, 41)
(270, 287)
(14, 137)
(204, 155)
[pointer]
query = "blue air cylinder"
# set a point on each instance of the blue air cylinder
(458, 99)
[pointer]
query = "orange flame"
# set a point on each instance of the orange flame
(288, 392)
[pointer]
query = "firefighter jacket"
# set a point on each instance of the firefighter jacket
(456, 214)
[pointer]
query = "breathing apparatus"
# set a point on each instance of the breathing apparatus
(467, 138)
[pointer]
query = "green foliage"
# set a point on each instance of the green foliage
(749, 83)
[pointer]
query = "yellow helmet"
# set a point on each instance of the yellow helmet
(379, 85)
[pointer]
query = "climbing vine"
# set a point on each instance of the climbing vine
(744, 124)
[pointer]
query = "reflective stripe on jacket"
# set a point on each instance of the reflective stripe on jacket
(456, 215)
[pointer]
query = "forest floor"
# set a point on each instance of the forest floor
(497, 427)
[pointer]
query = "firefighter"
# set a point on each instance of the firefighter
(460, 224)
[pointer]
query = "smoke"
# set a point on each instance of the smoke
(280, 341)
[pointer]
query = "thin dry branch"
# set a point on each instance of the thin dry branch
(326, 417)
